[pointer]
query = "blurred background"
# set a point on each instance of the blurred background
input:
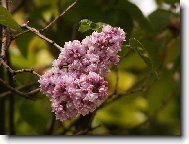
(154, 110)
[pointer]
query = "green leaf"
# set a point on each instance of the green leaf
(119, 18)
(86, 25)
(160, 19)
(136, 14)
(143, 53)
(7, 20)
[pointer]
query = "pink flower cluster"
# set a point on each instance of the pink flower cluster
(75, 84)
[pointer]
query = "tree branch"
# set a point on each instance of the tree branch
(35, 31)
(25, 95)
(3, 47)
(14, 72)
(19, 34)
(4, 94)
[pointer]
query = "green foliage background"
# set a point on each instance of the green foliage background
(153, 111)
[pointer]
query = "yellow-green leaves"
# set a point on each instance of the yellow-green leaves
(7, 20)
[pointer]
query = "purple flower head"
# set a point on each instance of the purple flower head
(80, 87)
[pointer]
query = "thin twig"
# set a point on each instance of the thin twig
(20, 34)
(35, 31)
(115, 97)
(3, 63)
(51, 23)
(14, 72)
(4, 94)
(27, 71)
(58, 17)
(25, 95)
(33, 91)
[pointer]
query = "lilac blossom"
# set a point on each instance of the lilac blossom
(75, 84)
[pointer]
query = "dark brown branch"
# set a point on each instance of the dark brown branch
(23, 94)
